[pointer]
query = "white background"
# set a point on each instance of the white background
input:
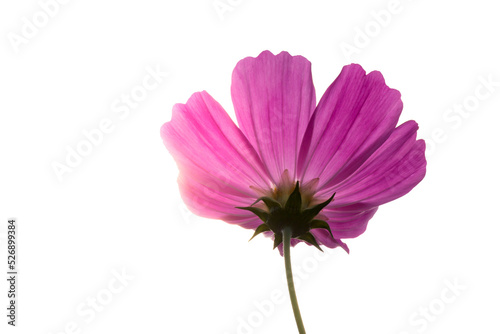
(120, 209)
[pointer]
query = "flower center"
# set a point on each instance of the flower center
(291, 209)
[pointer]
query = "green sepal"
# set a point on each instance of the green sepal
(294, 202)
(278, 238)
(259, 230)
(269, 202)
(308, 237)
(310, 213)
(263, 215)
(316, 223)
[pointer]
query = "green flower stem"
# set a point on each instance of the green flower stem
(287, 237)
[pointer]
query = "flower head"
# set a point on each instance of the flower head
(321, 170)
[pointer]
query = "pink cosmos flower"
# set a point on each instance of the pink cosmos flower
(289, 156)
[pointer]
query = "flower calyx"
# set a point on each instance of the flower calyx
(290, 215)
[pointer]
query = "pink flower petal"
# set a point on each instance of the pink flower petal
(391, 172)
(323, 237)
(217, 163)
(354, 118)
(274, 98)
(347, 224)
(207, 200)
